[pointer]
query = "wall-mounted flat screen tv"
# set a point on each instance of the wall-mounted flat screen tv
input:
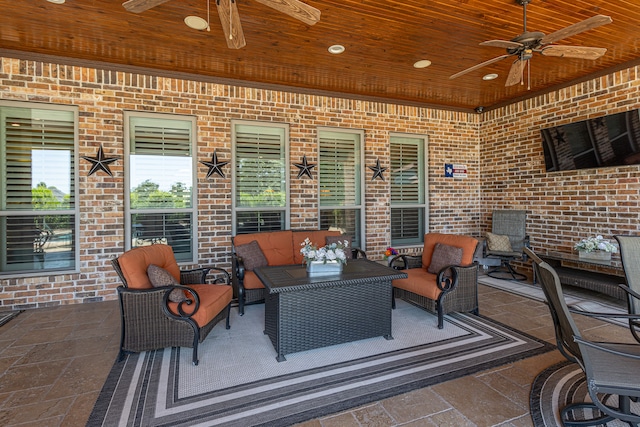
(606, 141)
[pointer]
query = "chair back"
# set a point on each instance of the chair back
(511, 223)
(630, 256)
(563, 323)
(132, 265)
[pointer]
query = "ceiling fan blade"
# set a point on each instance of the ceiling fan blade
(483, 64)
(515, 73)
(577, 28)
(294, 8)
(230, 20)
(139, 6)
(502, 43)
(580, 52)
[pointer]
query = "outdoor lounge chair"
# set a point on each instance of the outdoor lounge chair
(179, 311)
(506, 242)
(610, 368)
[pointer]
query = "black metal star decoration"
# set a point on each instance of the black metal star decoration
(377, 170)
(100, 162)
(215, 166)
(305, 167)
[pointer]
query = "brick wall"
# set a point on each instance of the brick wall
(563, 207)
(102, 96)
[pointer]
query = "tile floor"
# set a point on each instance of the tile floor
(53, 362)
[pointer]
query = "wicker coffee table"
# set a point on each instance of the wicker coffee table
(303, 312)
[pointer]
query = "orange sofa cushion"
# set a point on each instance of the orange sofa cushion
(134, 264)
(467, 243)
(317, 238)
(251, 281)
(213, 299)
(275, 245)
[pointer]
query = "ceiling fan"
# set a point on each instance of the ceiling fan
(523, 46)
(230, 19)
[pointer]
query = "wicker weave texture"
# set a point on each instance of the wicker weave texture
(319, 317)
(146, 326)
(599, 282)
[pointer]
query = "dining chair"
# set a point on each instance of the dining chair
(610, 368)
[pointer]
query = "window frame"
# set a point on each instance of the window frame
(423, 143)
(75, 210)
(234, 161)
(193, 210)
(361, 240)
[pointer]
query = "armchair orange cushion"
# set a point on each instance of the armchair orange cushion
(213, 299)
(134, 264)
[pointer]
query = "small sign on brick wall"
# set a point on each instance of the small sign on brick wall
(455, 171)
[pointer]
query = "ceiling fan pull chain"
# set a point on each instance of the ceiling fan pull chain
(208, 16)
(230, 21)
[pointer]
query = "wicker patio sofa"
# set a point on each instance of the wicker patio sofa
(281, 247)
(443, 279)
(153, 317)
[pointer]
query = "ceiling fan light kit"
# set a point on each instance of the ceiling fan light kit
(524, 46)
(230, 18)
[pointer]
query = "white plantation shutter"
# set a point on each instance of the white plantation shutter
(37, 189)
(260, 178)
(408, 189)
(340, 176)
(161, 202)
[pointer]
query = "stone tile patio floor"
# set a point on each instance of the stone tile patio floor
(53, 362)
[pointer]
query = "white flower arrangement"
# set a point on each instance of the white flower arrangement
(597, 243)
(328, 253)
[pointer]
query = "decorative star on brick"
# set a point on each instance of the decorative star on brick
(305, 167)
(100, 162)
(377, 170)
(215, 166)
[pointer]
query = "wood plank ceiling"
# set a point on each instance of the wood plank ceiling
(383, 39)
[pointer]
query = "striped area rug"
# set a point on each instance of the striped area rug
(239, 382)
(560, 385)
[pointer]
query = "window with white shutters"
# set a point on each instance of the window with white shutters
(408, 189)
(340, 175)
(38, 209)
(161, 182)
(260, 183)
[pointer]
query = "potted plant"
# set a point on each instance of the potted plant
(597, 248)
(328, 259)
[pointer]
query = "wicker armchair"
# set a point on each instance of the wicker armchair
(512, 224)
(453, 289)
(150, 320)
(610, 368)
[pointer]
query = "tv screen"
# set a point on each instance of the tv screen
(607, 141)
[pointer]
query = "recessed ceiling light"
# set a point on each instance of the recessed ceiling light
(56, 1)
(336, 49)
(196, 23)
(424, 63)
(490, 76)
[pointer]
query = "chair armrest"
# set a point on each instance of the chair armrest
(611, 348)
(629, 291)
(358, 253)
(604, 315)
(237, 264)
(194, 276)
(408, 261)
(461, 274)
(150, 298)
